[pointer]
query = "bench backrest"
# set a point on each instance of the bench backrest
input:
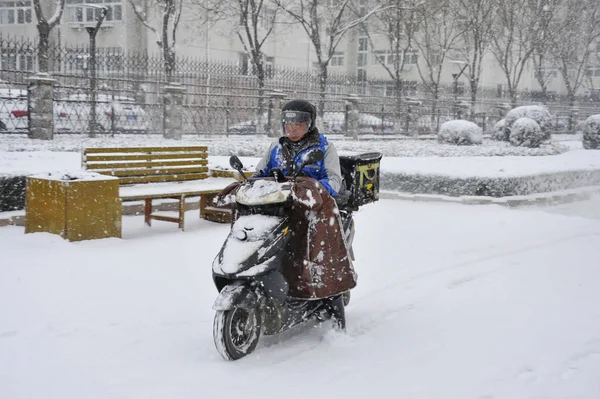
(134, 165)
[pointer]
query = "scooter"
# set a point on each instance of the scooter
(253, 293)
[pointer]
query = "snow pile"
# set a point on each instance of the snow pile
(460, 132)
(538, 113)
(525, 132)
(591, 133)
(72, 176)
(498, 131)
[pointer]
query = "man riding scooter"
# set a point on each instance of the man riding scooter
(298, 121)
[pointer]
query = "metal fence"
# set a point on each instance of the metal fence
(223, 97)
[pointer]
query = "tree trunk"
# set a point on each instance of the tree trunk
(322, 88)
(43, 47)
(513, 96)
(260, 76)
(474, 84)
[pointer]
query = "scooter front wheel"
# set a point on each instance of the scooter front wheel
(236, 332)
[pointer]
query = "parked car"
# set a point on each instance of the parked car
(113, 113)
(333, 123)
(246, 127)
(14, 114)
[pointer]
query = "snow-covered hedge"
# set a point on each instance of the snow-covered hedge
(538, 113)
(12, 193)
(455, 186)
(526, 132)
(498, 131)
(591, 133)
(460, 132)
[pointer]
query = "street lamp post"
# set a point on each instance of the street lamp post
(456, 76)
(92, 31)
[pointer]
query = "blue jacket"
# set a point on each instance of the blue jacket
(281, 153)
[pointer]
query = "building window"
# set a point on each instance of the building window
(82, 14)
(546, 73)
(362, 59)
(266, 18)
(410, 57)
(17, 59)
(337, 59)
(362, 44)
(269, 62)
(15, 12)
(385, 57)
(592, 71)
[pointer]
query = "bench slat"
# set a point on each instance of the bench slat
(132, 165)
(156, 179)
(147, 157)
(154, 172)
(118, 150)
(187, 194)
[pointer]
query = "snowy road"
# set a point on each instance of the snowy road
(453, 301)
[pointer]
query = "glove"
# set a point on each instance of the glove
(278, 174)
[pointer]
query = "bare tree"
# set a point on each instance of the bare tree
(253, 22)
(169, 16)
(577, 29)
(476, 18)
(326, 25)
(437, 36)
(514, 39)
(545, 35)
(44, 27)
(398, 25)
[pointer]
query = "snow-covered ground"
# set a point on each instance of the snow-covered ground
(453, 302)
(24, 156)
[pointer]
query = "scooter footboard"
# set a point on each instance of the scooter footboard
(236, 296)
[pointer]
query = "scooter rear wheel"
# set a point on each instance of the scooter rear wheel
(236, 332)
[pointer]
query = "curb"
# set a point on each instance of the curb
(550, 198)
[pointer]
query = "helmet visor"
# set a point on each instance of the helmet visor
(295, 117)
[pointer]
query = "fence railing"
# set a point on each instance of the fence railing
(222, 98)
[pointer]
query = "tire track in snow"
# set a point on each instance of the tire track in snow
(374, 318)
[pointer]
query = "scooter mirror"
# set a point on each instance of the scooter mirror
(312, 157)
(235, 163)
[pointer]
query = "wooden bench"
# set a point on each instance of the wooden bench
(152, 173)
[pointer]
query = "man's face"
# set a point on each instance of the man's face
(296, 130)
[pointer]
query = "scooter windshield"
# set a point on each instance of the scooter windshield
(262, 192)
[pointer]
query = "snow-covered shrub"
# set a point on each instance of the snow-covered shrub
(538, 113)
(525, 132)
(460, 132)
(12, 193)
(591, 133)
(498, 132)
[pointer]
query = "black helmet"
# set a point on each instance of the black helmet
(304, 112)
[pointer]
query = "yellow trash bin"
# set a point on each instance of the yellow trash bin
(80, 206)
